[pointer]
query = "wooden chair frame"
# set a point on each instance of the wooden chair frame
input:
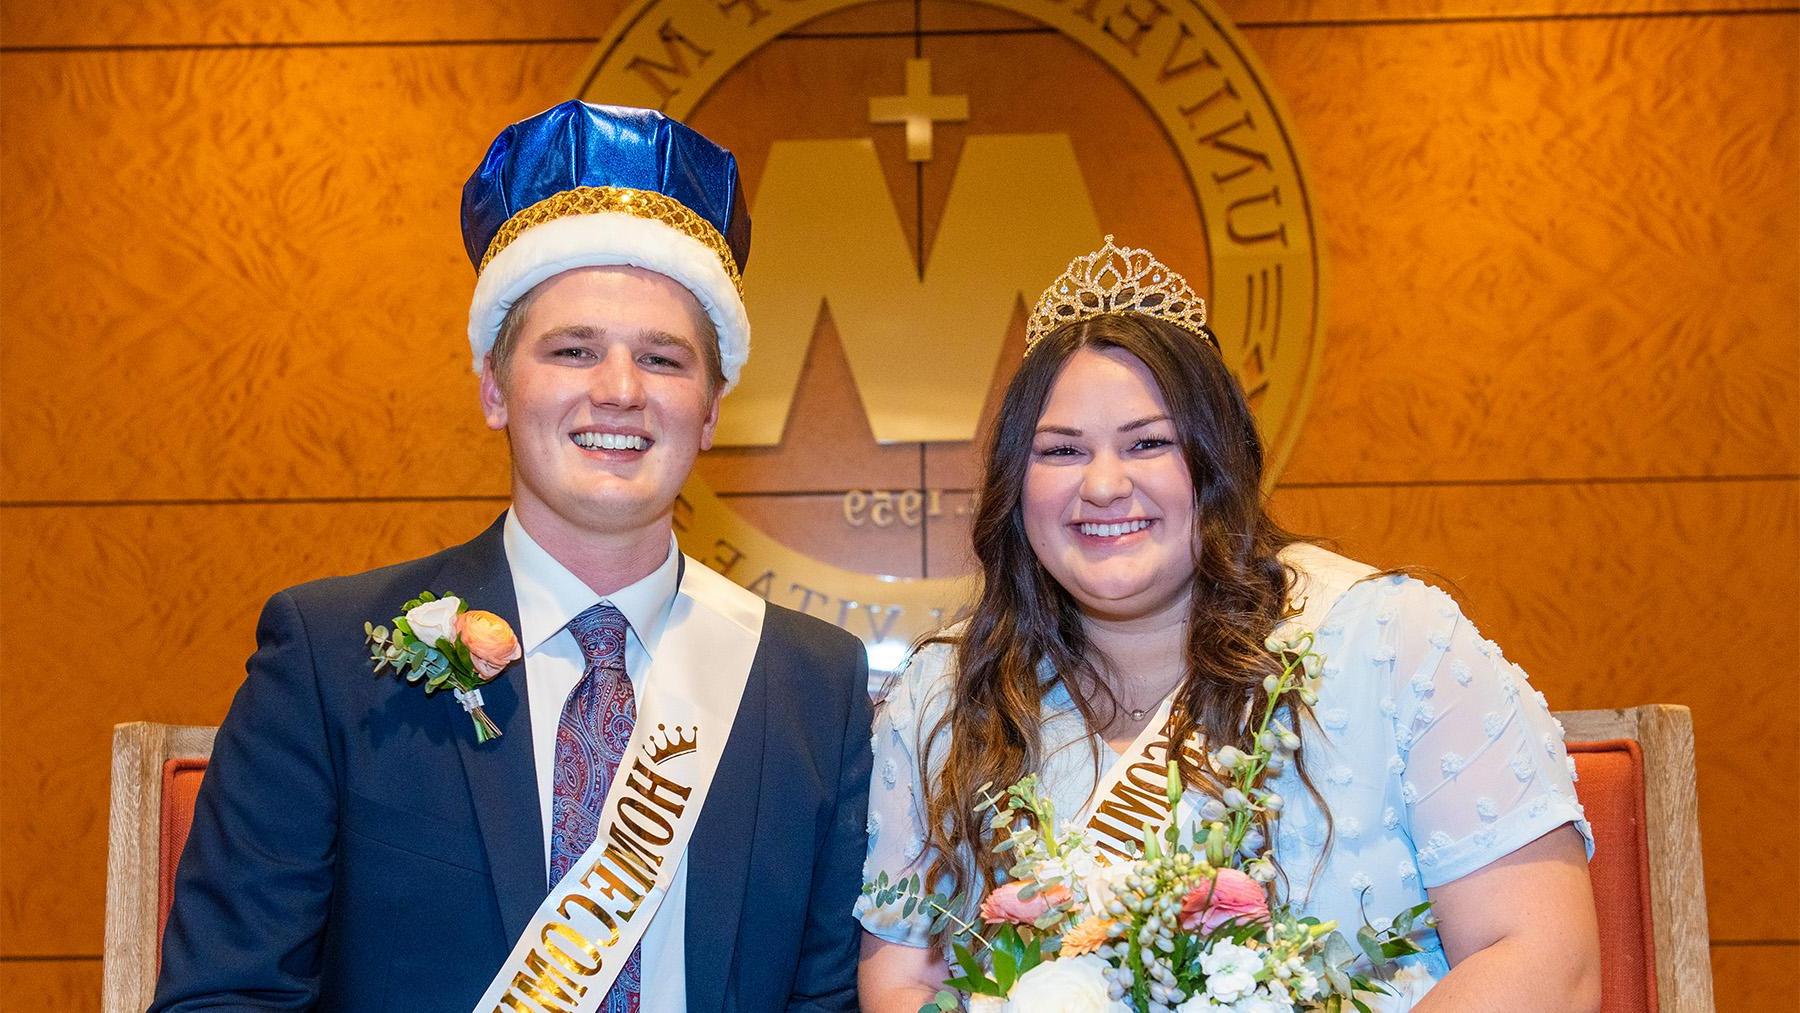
(134, 834)
(1665, 734)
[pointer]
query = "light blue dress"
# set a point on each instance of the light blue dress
(1436, 757)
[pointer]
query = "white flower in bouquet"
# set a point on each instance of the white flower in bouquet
(1230, 970)
(1263, 1000)
(435, 620)
(1102, 885)
(1080, 862)
(1410, 982)
(1076, 985)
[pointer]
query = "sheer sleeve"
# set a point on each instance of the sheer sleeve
(1481, 759)
(896, 796)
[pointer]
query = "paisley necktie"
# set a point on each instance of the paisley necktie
(590, 744)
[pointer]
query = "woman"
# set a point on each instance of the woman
(1131, 577)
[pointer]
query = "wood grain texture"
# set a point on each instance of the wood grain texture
(1546, 262)
(52, 986)
(134, 856)
(225, 22)
(1620, 595)
(186, 585)
(815, 526)
(1507, 209)
(260, 264)
(1756, 979)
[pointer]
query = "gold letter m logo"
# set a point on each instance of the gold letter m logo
(923, 353)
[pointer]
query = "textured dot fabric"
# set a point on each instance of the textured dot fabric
(1432, 752)
(591, 740)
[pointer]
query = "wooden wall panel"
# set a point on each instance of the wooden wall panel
(815, 526)
(1544, 264)
(238, 22)
(51, 986)
(144, 614)
(1524, 322)
(1624, 594)
(268, 245)
(1755, 979)
(40, 23)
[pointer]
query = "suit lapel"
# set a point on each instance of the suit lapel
(719, 854)
(502, 773)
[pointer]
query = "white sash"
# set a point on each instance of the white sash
(583, 933)
(1133, 794)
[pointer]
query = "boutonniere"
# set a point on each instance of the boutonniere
(440, 641)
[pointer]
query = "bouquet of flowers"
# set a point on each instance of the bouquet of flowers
(1191, 923)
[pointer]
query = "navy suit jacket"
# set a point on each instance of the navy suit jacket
(353, 848)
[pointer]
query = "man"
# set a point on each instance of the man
(672, 814)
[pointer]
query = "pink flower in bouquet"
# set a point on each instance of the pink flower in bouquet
(1230, 895)
(491, 642)
(1005, 904)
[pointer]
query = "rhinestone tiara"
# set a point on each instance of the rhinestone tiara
(1118, 279)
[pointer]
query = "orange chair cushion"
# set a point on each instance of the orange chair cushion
(1611, 788)
(180, 785)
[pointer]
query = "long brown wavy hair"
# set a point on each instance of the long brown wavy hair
(1023, 618)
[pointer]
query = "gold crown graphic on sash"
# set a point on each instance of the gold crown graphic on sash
(1118, 279)
(662, 744)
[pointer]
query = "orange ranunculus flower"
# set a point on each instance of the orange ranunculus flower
(491, 642)
(1086, 937)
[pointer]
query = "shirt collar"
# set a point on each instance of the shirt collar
(549, 595)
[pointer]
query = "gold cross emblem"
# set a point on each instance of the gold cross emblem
(919, 109)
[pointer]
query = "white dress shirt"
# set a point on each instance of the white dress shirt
(549, 596)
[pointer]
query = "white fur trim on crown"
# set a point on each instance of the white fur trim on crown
(601, 240)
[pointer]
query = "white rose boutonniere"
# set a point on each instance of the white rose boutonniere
(433, 621)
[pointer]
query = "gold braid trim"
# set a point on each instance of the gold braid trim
(594, 200)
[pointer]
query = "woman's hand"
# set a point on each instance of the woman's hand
(891, 978)
(1519, 932)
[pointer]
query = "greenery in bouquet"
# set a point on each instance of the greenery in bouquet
(1190, 923)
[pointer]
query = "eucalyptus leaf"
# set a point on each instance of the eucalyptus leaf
(1371, 944)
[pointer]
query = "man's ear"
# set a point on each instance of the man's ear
(712, 419)
(493, 397)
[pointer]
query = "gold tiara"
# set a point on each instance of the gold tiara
(1118, 279)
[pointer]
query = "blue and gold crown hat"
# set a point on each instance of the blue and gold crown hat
(582, 185)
